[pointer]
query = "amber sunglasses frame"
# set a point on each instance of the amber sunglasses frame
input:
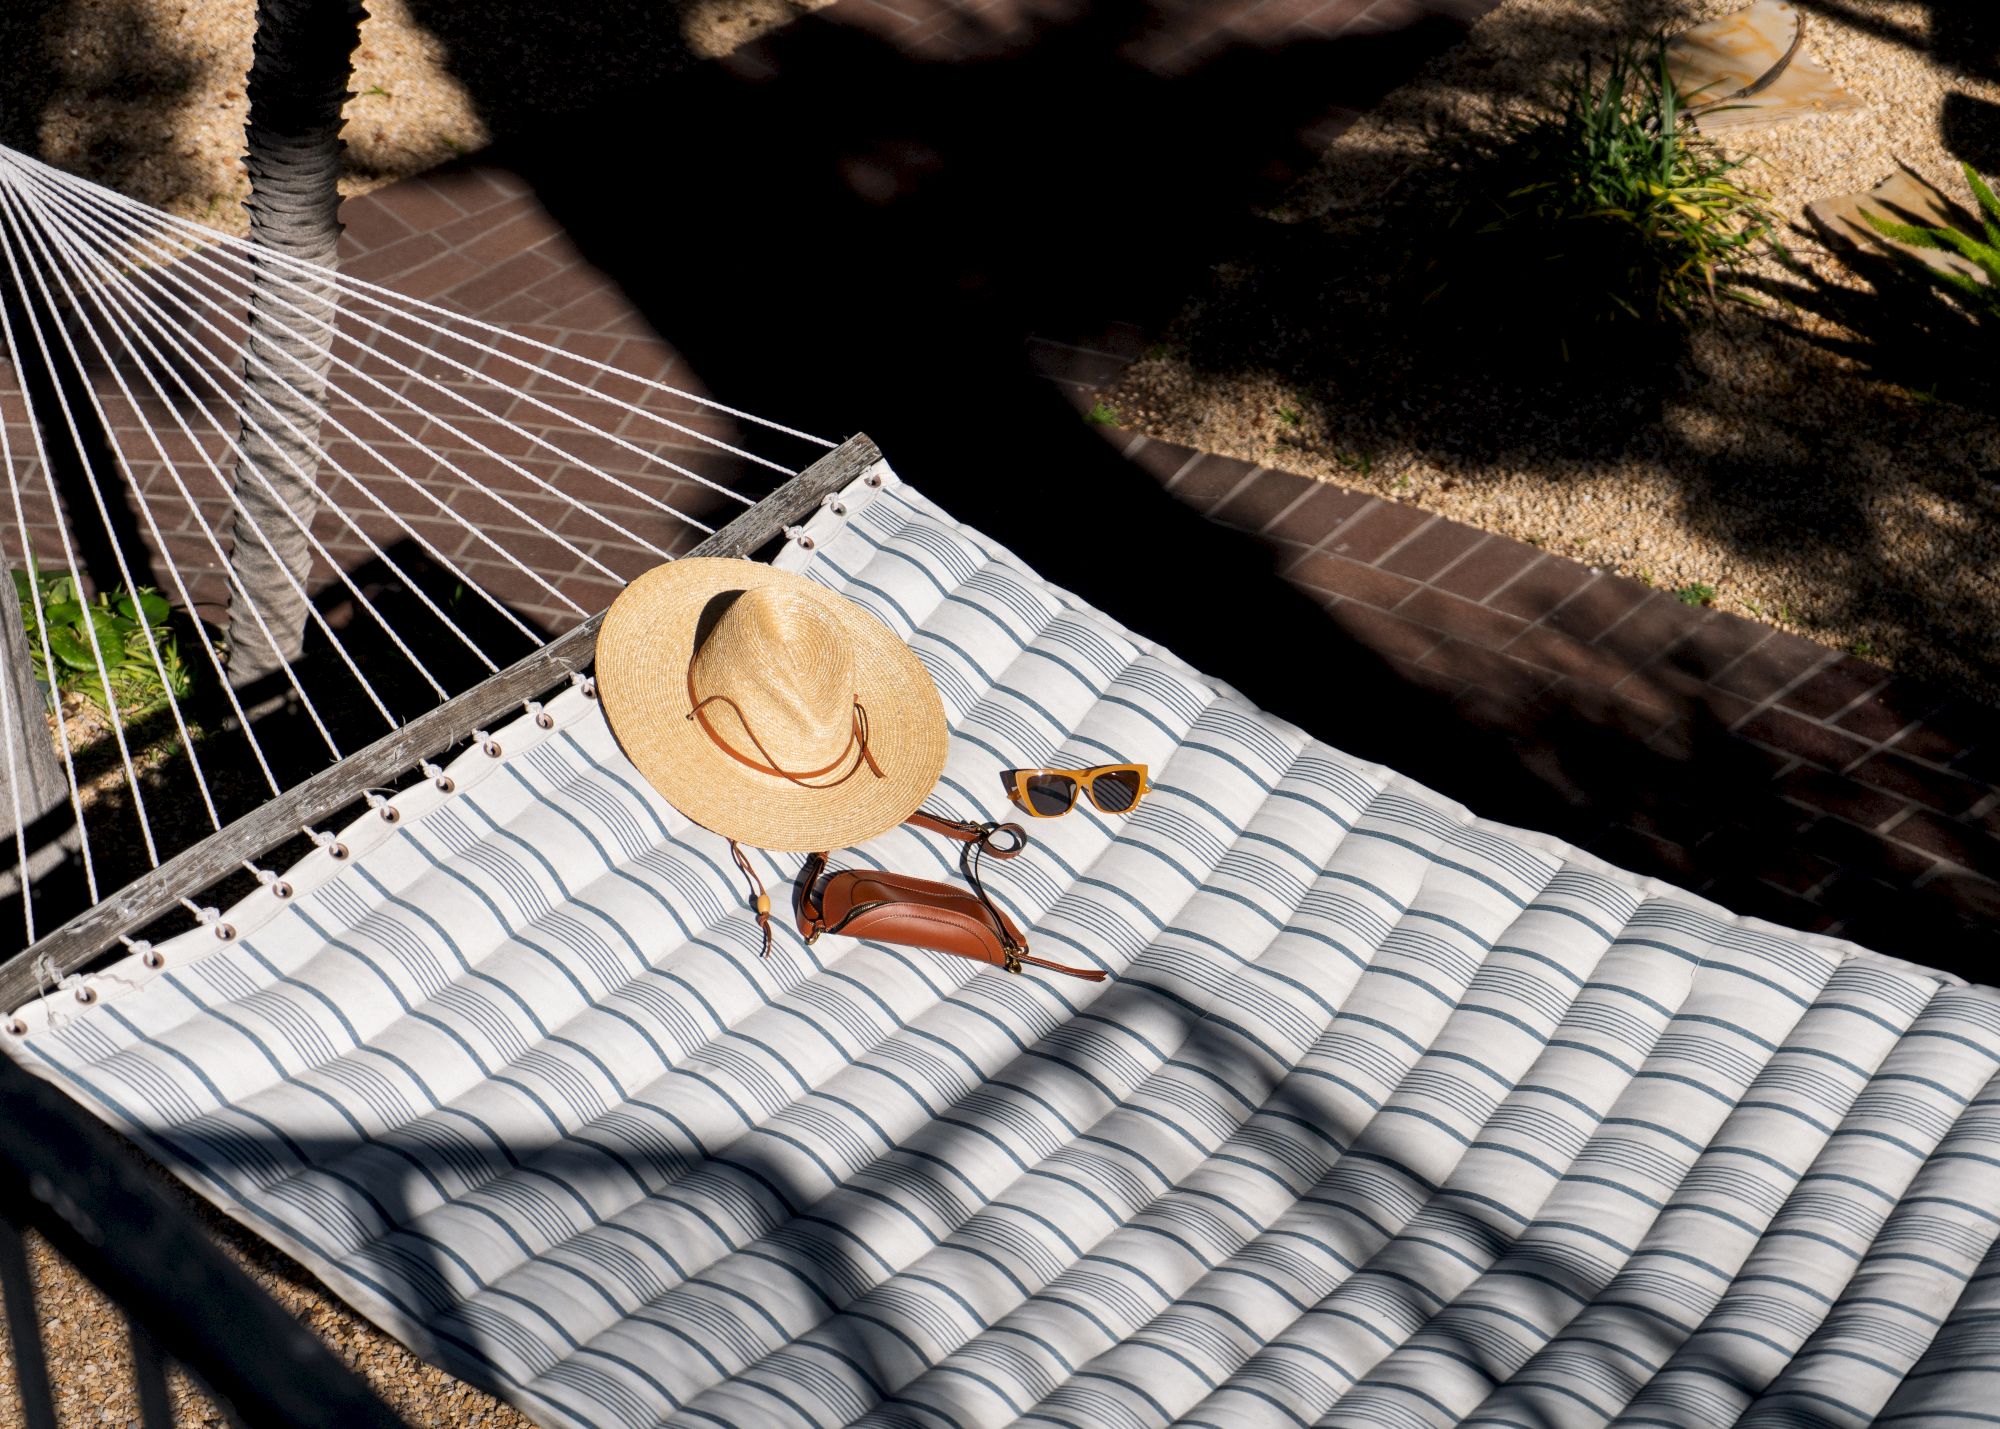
(1082, 782)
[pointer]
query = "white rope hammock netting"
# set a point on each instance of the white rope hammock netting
(478, 491)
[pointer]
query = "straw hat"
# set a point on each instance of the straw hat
(768, 708)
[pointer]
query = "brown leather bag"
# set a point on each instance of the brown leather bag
(880, 907)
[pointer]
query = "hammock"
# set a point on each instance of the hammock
(1388, 1115)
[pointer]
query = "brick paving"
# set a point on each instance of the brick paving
(474, 241)
(1775, 775)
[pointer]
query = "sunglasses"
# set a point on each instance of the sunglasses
(1051, 793)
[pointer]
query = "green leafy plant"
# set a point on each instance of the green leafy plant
(1102, 414)
(1983, 252)
(1290, 416)
(1696, 593)
(1594, 213)
(122, 621)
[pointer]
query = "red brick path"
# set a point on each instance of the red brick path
(1775, 775)
(473, 241)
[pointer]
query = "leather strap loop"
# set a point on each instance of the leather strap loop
(966, 833)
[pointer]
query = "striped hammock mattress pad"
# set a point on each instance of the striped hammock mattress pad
(1386, 1115)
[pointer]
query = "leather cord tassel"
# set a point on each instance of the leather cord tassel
(763, 899)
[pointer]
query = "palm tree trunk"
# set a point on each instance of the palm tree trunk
(299, 76)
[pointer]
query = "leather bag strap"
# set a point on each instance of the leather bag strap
(806, 910)
(978, 840)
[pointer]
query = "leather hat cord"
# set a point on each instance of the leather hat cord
(763, 899)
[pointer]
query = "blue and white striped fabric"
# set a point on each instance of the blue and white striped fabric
(1388, 1116)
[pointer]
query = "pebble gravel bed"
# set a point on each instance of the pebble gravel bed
(90, 1357)
(1774, 463)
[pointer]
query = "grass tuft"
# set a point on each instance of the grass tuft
(122, 622)
(1595, 212)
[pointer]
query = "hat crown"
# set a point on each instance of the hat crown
(786, 665)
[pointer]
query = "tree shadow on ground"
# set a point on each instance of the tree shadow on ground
(91, 88)
(1321, 301)
(847, 237)
(1964, 38)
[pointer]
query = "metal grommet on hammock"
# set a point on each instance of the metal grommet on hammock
(798, 534)
(832, 502)
(586, 683)
(438, 777)
(335, 849)
(86, 994)
(488, 745)
(543, 719)
(268, 879)
(16, 1027)
(874, 478)
(153, 958)
(389, 812)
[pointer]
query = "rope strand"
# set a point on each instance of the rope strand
(138, 319)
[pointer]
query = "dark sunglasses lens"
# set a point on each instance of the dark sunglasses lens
(1050, 794)
(1115, 791)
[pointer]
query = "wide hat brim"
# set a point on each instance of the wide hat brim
(643, 650)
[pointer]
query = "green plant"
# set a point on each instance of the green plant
(1983, 252)
(1862, 649)
(1290, 416)
(1696, 593)
(122, 621)
(1594, 212)
(1102, 414)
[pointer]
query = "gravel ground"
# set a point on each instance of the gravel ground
(90, 1359)
(147, 96)
(1772, 460)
